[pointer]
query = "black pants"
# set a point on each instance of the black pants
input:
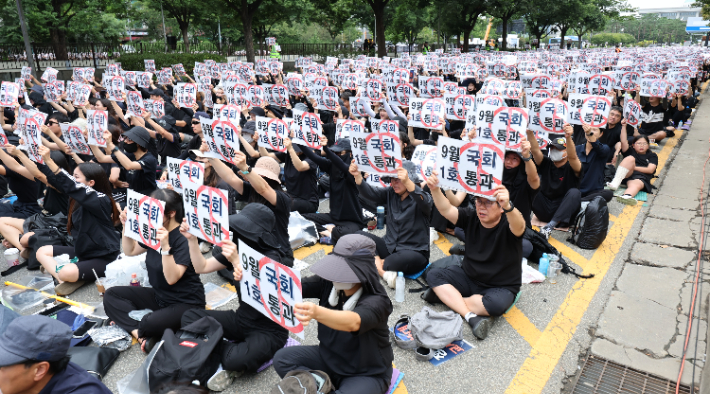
(121, 300)
(679, 116)
(308, 357)
(86, 267)
(341, 228)
(607, 195)
(561, 210)
(496, 300)
(247, 347)
(303, 206)
(405, 261)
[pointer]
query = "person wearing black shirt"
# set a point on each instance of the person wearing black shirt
(176, 287)
(345, 215)
(490, 276)
(405, 247)
(559, 198)
(352, 312)
(300, 178)
(252, 338)
(196, 141)
(653, 118)
(611, 137)
(25, 187)
(167, 138)
(683, 106)
(593, 156)
(637, 169)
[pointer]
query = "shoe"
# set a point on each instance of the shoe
(430, 296)
(626, 199)
(457, 249)
(390, 278)
(325, 241)
(480, 325)
(222, 379)
(205, 247)
(66, 288)
(546, 231)
(149, 344)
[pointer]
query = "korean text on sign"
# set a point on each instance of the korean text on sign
(184, 171)
(377, 153)
(206, 211)
(271, 133)
(307, 130)
(424, 158)
(427, 113)
(145, 217)
(469, 167)
(222, 137)
(75, 139)
(97, 122)
(271, 288)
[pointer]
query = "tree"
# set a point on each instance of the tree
(565, 14)
(184, 12)
(462, 16)
(591, 19)
(408, 21)
(378, 7)
(538, 20)
(505, 10)
(246, 10)
(331, 15)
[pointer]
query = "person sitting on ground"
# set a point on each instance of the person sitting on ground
(683, 105)
(611, 137)
(593, 156)
(559, 198)
(637, 169)
(405, 247)
(300, 176)
(352, 312)
(487, 282)
(34, 359)
(653, 117)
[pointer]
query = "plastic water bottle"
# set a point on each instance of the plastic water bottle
(380, 217)
(134, 280)
(399, 288)
(680, 124)
(544, 263)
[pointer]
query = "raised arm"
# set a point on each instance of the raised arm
(450, 212)
(534, 147)
(624, 136)
(256, 181)
(30, 165)
(574, 161)
(123, 160)
(530, 168)
(202, 265)
(13, 165)
(299, 164)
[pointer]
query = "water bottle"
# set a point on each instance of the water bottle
(399, 288)
(380, 217)
(680, 125)
(544, 263)
(134, 280)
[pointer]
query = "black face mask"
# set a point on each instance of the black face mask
(347, 157)
(130, 148)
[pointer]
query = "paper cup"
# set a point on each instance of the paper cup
(12, 257)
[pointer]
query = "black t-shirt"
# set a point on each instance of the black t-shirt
(521, 194)
(26, 190)
(143, 180)
(652, 118)
(554, 181)
(302, 185)
(188, 289)
(642, 160)
(493, 256)
(610, 138)
(167, 148)
(282, 213)
(56, 202)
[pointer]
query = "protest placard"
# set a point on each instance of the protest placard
(49, 74)
(130, 77)
(504, 127)
(553, 114)
(344, 127)
(377, 153)
(328, 99)
(9, 92)
(272, 132)
(360, 106)
(179, 69)
(186, 94)
(271, 288)
(513, 90)
(97, 122)
(255, 95)
(457, 105)
(657, 87)
(156, 108)
(470, 167)
(53, 91)
(33, 135)
(632, 112)
(424, 158)
(116, 87)
(81, 95)
(206, 211)
(134, 103)
(628, 80)
(427, 113)
(601, 84)
(144, 79)
(402, 93)
(149, 65)
(430, 87)
(26, 73)
(184, 171)
(74, 138)
(228, 112)
(308, 129)
(222, 137)
(145, 217)
(594, 111)
(373, 90)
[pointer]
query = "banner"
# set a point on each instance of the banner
(271, 288)
(470, 167)
(207, 212)
(75, 139)
(145, 217)
(427, 113)
(377, 153)
(272, 132)
(183, 171)
(97, 122)
(222, 137)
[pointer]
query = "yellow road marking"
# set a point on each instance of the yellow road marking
(570, 254)
(302, 253)
(443, 244)
(523, 325)
(705, 86)
(545, 354)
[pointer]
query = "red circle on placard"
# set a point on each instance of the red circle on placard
(480, 170)
(151, 202)
(542, 103)
(211, 191)
(595, 109)
(427, 125)
(279, 267)
(268, 125)
(508, 129)
(382, 148)
(311, 115)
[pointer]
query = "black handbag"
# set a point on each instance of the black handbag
(95, 360)
(48, 230)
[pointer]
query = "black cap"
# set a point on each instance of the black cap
(341, 145)
(139, 135)
(254, 223)
(275, 110)
(157, 92)
(257, 111)
(167, 122)
(35, 337)
(559, 143)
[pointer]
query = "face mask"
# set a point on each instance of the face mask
(342, 286)
(557, 155)
(247, 137)
(130, 148)
(347, 158)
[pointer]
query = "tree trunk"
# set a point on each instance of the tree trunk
(563, 33)
(185, 38)
(379, 9)
(248, 35)
(466, 35)
(539, 39)
(59, 44)
(504, 44)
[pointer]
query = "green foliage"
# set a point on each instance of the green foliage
(407, 22)
(650, 27)
(613, 39)
(134, 61)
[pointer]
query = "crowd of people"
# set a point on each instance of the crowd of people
(548, 184)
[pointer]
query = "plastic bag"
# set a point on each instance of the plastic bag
(136, 382)
(21, 300)
(530, 274)
(118, 273)
(139, 314)
(217, 296)
(111, 336)
(301, 232)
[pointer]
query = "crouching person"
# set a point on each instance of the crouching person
(352, 314)
(489, 279)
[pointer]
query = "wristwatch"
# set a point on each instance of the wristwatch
(115, 148)
(247, 171)
(511, 207)
(528, 158)
(164, 252)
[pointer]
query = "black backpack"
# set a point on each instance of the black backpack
(591, 225)
(187, 355)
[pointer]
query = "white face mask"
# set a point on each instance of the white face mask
(342, 286)
(557, 155)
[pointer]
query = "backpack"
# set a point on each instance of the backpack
(304, 382)
(434, 330)
(541, 245)
(591, 225)
(187, 355)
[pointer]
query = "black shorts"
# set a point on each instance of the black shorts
(496, 300)
(645, 178)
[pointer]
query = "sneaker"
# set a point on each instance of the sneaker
(205, 247)
(222, 379)
(626, 199)
(390, 278)
(66, 288)
(546, 231)
(458, 249)
(430, 296)
(480, 325)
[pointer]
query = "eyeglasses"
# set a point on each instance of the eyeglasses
(194, 122)
(483, 202)
(641, 144)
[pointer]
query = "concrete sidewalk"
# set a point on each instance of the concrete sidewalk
(644, 323)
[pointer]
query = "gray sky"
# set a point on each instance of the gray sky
(658, 3)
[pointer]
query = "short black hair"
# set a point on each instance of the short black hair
(55, 367)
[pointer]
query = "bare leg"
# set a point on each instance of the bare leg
(629, 163)
(24, 241)
(658, 136)
(453, 299)
(11, 228)
(634, 186)
(475, 304)
(380, 263)
(45, 256)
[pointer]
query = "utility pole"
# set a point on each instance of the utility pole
(26, 38)
(165, 35)
(219, 31)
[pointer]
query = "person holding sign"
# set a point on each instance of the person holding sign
(176, 287)
(25, 187)
(653, 117)
(637, 169)
(300, 178)
(593, 156)
(134, 158)
(405, 247)
(487, 282)
(559, 198)
(683, 105)
(163, 131)
(352, 312)
(251, 338)
(91, 219)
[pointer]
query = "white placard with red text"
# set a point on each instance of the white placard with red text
(145, 217)
(470, 167)
(377, 153)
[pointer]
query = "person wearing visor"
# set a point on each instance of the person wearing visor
(134, 158)
(352, 312)
(251, 338)
(345, 216)
(34, 359)
(559, 198)
(405, 247)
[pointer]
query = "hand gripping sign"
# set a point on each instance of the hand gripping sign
(9, 91)
(470, 167)
(271, 288)
(181, 172)
(553, 114)
(377, 153)
(97, 122)
(457, 105)
(424, 158)
(360, 106)
(222, 137)
(427, 113)
(632, 112)
(145, 217)
(344, 127)
(206, 211)
(75, 139)
(271, 133)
